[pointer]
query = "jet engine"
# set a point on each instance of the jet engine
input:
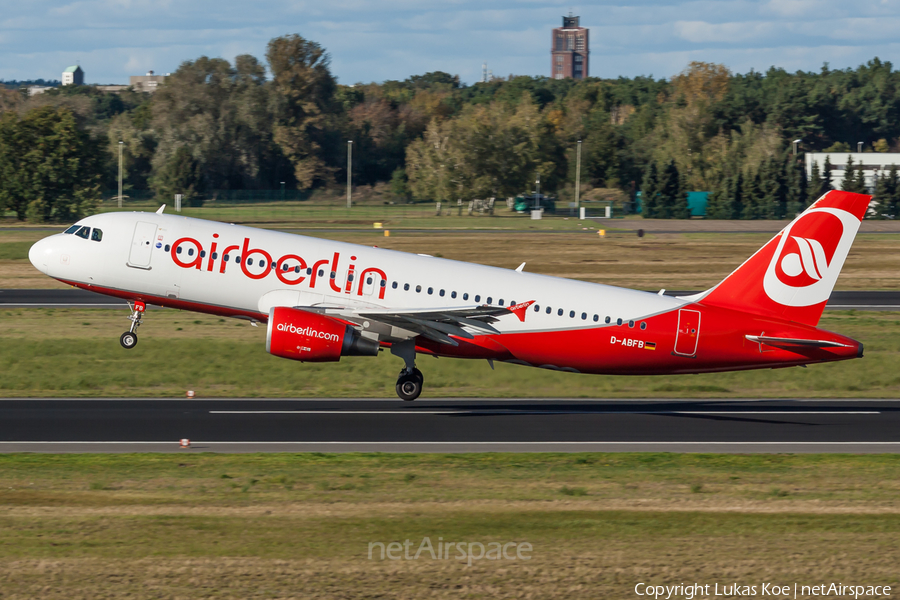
(310, 337)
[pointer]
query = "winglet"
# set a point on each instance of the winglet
(519, 309)
(520, 267)
(161, 209)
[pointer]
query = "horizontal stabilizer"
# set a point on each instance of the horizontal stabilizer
(781, 342)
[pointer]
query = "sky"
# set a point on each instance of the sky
(377, 40)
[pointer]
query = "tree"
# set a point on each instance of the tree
(887, 194)
(219, 113)
(50, 169)
(303, 106)
(670, 193)
(796, 187)
(854, 179)
(399, 187)
(182, 174)
(816, 186)
(650, 192)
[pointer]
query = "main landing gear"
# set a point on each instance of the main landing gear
(129, 339)
(410, 380)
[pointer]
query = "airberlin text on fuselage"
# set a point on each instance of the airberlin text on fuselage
(248, 257)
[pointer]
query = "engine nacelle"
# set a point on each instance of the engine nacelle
(310, 337)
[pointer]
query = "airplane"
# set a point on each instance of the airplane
(321, 299)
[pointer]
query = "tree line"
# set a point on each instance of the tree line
(252, 124)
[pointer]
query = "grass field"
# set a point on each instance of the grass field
(299, 526)
(75, 352)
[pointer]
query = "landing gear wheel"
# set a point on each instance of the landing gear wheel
(416, 373)
(409, 386)
(128, 340)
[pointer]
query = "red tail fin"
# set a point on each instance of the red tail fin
(793, 275)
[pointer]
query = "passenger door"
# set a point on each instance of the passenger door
(142, 245)
(687, 337)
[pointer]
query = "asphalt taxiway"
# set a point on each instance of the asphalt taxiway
(448, 425)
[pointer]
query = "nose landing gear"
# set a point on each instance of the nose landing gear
(410, 382)
(129, 339)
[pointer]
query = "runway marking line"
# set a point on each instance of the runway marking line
(538, 443)
(543, 412)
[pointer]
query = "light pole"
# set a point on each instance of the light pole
(859, 146)
(282, 191)
(578, 177)
(537, 193)
(796, 143)
(349, 170)
(120, 174)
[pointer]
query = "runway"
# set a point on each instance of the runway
(77, 298)
(449, 425)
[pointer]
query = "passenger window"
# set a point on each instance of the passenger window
(167, 249)
(430, 291)
(309, 270)
(383, 283)
(215, 255)
(490, 300)
(512, 302)
(607, 319)
(190, 251)
(237, 259)
(571, 314)
(500, 302)
(178, 250)
(537, 308)
(477, 298)
(596, 318)
(368, 281)
(72, 229)
(97, 235)
(273, 264)
(249, 262)
(584, 316)
(84, 232)
(405, 287)
(333, 274)
(321, 272)
(618, 321)
(441, 293)
(350, 277)
(559, 312)
(284, 267)
(549, 310)
(203, 254)
(643, 325)
(466, 296)
(297, 269)
(453, 294)
(631, 323)
(418, 289)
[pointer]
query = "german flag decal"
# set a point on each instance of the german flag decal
(649, 345)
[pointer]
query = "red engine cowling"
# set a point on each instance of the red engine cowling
(310, 337)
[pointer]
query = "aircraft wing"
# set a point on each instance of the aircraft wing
(435, 324)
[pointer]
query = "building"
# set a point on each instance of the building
(569, 50)
(34, 90)
(147, 83)
(73, 76)
(871, 163)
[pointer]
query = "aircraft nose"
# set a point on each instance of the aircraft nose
(40, 253)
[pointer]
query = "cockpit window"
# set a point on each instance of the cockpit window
(84, 232)
(72, 229)
(97, 235)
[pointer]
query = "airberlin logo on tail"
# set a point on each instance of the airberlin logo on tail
(308, 332)
(809, 256)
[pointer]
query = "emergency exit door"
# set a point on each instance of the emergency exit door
(142, 245)
(688, 335)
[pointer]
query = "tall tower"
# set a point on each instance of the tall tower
(569, 50)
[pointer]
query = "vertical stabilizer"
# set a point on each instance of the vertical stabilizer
(792, 276)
